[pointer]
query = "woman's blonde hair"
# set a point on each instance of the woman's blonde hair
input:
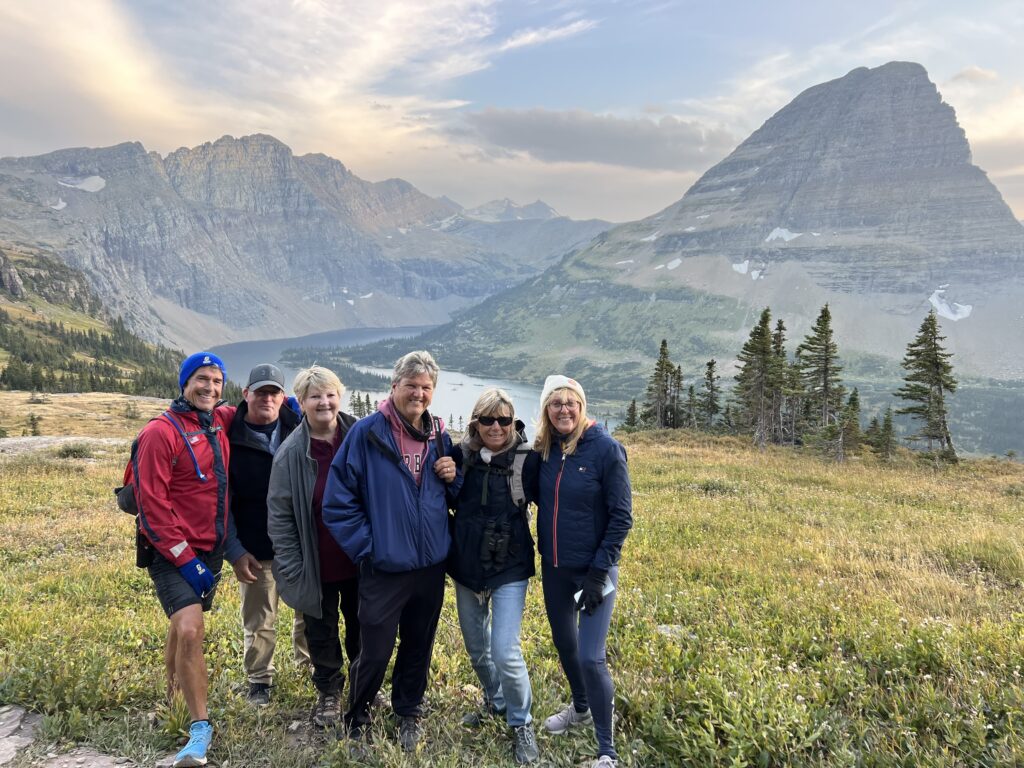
(491, 402)
(545, 430)
(316, 377)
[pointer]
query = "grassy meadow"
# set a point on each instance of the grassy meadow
(774, 609)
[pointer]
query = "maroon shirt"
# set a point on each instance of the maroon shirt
(335, 565)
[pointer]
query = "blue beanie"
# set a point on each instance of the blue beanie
(194, 362)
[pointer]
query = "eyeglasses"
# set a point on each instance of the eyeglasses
(487, 421)
(568, 405)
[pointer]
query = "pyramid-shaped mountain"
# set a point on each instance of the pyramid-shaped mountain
(860, 193)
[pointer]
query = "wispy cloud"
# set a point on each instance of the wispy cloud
(581, 137)
(529, 37)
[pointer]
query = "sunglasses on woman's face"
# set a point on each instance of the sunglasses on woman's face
(487, 421)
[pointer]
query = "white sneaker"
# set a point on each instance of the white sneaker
(604, 762)
(560, 722)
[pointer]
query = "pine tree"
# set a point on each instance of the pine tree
(355, 403)
(753, 389)
(677, 409)
(709, 405)
(785, 389)
(928, 379)
(872, 433)
(886, 437)
(690, 412)
(818, 363)
(632, 419)
(655, 413)
(368, 407)
(852, 437)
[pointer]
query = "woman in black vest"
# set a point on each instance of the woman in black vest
(491, 561)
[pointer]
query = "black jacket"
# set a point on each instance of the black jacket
(491, 541)
(249, 476)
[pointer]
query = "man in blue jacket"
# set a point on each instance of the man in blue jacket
(386, 505)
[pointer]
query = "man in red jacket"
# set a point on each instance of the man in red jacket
(181, 486)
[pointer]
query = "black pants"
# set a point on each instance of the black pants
(322, 634)
(407, 605)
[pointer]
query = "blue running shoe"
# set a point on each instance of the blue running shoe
(200, 734)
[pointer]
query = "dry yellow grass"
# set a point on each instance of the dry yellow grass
(96, 414)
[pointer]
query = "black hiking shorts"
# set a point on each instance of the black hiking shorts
(173, 591)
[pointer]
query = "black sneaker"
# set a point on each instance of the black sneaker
(409, 732)
(524, 745)
(259, 694)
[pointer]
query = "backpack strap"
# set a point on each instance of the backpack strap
(184, 436)
(515, 478)
(438, 442)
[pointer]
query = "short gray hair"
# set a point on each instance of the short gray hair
(415, 364)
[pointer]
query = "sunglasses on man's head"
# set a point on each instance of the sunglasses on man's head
(487, 421)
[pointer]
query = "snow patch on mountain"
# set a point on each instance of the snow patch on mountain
(673, 264)
(88, 184)
(950, 311)
(781, 233)
(741, 267)
(650, 238)
(60, 205)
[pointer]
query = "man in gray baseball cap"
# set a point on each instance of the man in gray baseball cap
(260, 425)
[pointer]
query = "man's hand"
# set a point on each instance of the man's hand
(246, 568)
(444, 468)
(198, 576)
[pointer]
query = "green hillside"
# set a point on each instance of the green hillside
(56, 336)
(773, 610)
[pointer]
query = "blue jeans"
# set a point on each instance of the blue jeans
(490, 629)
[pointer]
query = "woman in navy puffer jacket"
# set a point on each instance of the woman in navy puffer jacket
(579, 479)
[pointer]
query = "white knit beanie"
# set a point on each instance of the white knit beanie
(558, 381)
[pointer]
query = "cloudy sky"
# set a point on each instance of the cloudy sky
(606, 108)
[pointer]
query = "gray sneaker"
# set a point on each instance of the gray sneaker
(327, 710)
(524, 745)
(560, 722)
(409, 732)
(604, 761)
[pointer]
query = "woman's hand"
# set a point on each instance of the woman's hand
(444, 468)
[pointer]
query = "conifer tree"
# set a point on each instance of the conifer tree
(709, 401)
(632, 418)
(852, 436)
(368, 407)
(872, 433)
(355, 404)
(818, 363)
(754, 380)
(657, 404)
(928, 379)
(887, 437)
(692, 409)
(677, 409)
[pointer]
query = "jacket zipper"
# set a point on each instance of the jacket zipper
(554, 522)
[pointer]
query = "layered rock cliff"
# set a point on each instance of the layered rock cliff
(240, 238)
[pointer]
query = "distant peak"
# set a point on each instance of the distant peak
(508, 210)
